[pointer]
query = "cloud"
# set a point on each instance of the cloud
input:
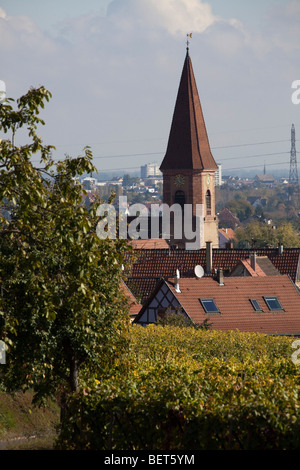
(181, 16)
(115, 78)
(2, 13)
(282, 23)
(177, 17)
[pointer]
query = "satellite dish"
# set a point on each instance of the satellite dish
(199, 271)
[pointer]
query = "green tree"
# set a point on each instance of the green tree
(61, 307)
(259, 234)
(180, 320)
(241, 208)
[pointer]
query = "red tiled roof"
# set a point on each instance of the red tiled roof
(236, 311)
(164, 262)
(149, 244)
(188, 145)
(227, 233)
(142, 287)
(263, 267)
(133, 304)
(247, 264)
(152, 265)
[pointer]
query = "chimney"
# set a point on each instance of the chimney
(220, 277)
(208, 257)
(253, 261)
(280, 249)
(176, 281)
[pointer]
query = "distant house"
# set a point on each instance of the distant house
(228, 219)
(257, 201)
(268, 305)
(265, 179)
(226, 235)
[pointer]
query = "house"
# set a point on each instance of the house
(268, 305)
(256, 201)
(265, 179)
(256, 266)
(227, 218)
(226, 235)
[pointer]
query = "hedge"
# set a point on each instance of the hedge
(186, 389)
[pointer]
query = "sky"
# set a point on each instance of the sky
(113, 68)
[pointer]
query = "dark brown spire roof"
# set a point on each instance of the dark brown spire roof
(188, 146)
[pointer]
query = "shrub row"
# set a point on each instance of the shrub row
(186, 389)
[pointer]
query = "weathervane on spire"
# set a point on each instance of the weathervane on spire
(189, 35)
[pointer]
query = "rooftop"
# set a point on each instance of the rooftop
(154, 264)
(235, 311)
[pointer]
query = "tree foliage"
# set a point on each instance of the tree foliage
(180, 320)
(61, 308)
(259, 234)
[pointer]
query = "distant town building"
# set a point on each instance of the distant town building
(150, 169)
(89, 183)
(218, 176)
(228, 219)
(226, 235)
(265, 179)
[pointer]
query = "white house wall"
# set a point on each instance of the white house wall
(162, 300)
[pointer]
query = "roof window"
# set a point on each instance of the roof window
(209, 305)
(256, 305)
(273, 303)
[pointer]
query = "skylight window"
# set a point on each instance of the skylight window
(209, 305)
(273, 303)
(255, 305)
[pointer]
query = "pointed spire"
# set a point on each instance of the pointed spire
(188, 146)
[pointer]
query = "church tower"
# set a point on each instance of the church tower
(188, 166)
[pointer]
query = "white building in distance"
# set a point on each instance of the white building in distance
(218, 175)
(150, 169)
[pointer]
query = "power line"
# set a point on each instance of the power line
(245, 145)
(222, 160)
(254, 156)
(161, 152)
(128, 155)
(255, 166)
(225, 169)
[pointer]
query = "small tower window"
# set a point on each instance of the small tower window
(208, 202)
(180, 198)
